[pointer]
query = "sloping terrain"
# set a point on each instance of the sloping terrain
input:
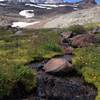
(48, 14)
(79, 17)
(10, 13)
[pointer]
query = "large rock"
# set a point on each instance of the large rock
(57, 65)
(83, 40)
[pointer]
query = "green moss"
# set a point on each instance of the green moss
(87, 62)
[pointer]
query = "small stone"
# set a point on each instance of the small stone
(68, 50)
(66, 35)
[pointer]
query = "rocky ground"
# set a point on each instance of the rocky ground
(69, 87)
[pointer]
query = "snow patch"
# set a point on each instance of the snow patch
(23, 24)
(38, 6)
(76, 8)
(2, 0)
(49, 5)
(27, 13)
(45, 6)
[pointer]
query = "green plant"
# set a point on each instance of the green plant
(25, 76)
(11, 74)
(87, 62)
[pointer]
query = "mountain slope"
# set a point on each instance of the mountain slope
(49, 1)
(37, 1)
(79, 17)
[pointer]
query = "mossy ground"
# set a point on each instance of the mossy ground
(18, 50)
(87, 62)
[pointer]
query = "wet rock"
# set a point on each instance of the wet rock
(83, 40)
(51, 87)
(57, 65)
(63, 88)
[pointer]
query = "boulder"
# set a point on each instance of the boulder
(83, 40)
(57, 65)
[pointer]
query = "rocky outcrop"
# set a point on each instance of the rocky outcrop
(89, 1)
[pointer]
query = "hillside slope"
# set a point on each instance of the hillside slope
(79, 17)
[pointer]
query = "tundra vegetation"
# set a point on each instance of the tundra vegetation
(17, 50)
